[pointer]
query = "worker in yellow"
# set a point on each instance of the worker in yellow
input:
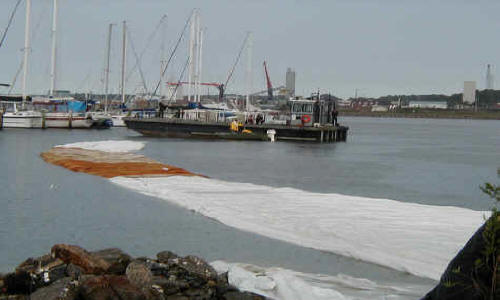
(237, 126)
(234, 125)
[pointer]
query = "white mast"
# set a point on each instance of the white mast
(162, 58)
(54, 45)
(197, 61)
(106, 84)
(26, 48)
(124, 58)
(191, 54)
(200, 56)
(249, 69)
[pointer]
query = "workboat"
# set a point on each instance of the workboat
(63, 112)
(307, 120)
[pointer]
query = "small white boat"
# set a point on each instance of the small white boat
(118, 120)
(101, 120)
(23, 119)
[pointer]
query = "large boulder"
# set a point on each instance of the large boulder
(64, 289)
(109, 287)
(465, 276)
(116, 258)
(90, 264)
(139, 274)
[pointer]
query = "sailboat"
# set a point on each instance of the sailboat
(24, 118)
(73, 114)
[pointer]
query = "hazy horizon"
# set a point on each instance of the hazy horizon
(378, 47)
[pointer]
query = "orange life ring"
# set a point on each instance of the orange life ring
(306, 118)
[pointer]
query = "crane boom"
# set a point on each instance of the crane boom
(269, 84)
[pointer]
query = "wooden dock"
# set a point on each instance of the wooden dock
(211, 130)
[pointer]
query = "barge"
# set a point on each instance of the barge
(308, 121)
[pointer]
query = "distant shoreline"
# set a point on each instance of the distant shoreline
(425, 114)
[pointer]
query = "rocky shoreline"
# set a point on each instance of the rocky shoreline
(70, 272)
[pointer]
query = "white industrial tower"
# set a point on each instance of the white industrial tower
(290, 82)
(489, 78)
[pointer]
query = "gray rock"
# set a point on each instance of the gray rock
(74, 271)
(198, 266)
(164, 256)
(64, 289)
(139, 274)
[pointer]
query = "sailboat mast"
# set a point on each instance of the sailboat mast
(249, 69)
(26, 48)
(197, 67)
(200, 56)
(124, 57)
(54, 45)
(106, 83)
(162, 54)
(192, 38)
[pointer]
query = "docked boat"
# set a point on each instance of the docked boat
(22, 119)
(67, 120)
(101, 120)
(63, 112)
(307, 120)
(117, 120)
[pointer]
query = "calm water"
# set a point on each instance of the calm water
(439, 162)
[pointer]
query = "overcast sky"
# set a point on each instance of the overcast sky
(377, 46)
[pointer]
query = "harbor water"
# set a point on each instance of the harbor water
(426, 161)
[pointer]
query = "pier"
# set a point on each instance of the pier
(216, 130)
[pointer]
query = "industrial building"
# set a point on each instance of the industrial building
(489, 78)
(469, 95)
(290, 82)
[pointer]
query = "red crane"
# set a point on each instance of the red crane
(269, 84)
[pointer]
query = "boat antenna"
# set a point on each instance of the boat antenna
(173, 51)
(11, 18)
(237, 59)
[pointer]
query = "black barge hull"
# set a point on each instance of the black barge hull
(161, 127)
